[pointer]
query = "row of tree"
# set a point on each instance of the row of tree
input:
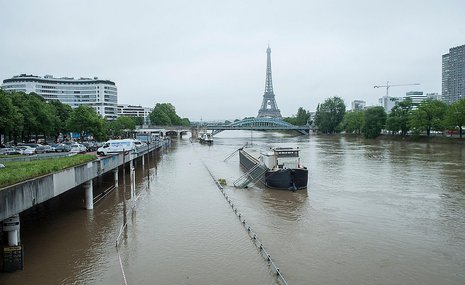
(430, 115)
(300, 119)
(26, 117)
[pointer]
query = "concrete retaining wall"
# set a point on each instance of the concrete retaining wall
(22, 196)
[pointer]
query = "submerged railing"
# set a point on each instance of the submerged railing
(263, 252)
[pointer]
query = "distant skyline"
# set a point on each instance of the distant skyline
(208, 58)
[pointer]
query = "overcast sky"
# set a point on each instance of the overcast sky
(208, 58)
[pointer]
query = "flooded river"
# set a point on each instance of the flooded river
(375, 212)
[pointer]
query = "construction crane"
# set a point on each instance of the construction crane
(391, 85)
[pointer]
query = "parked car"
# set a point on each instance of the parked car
(78, 148)
(91, 146)
(26, 150)
(10, 151)
(61, 147)
(44, 149)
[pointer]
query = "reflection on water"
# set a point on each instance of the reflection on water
(375, 212)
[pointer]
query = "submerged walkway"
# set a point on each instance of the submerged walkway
(186, 233)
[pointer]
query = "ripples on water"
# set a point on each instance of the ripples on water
(375, 212)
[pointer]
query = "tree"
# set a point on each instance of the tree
(20, 101)
(429, 116)
(138, 121)
(330, 114)
(117, 126)
(398, 119)
(44, 115)
(7, 112)
(160, 118)
(62, 113)
(353, 122)
(84, 119)
(185, 122)
(373, 122)
(164, 114)
(301, 118)
(455, 117)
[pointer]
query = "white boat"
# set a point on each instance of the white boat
(206, 138)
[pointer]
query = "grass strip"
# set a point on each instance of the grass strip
(17, 171)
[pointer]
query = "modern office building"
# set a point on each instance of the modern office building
(388, 102)
(134, 111)
(453, 74)
(102, 95)
(358, 105)
(434, 96)
(416, 96)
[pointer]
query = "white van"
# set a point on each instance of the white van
(116, 146)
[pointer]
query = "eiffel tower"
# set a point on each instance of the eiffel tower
(269, 107)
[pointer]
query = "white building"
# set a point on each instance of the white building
(134, 111)
(102, 95)
(358, 105)
(388, 102)
(417, 97)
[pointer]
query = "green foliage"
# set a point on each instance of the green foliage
(300, 119)
(62, 112)
(398, 119)
(164, 114)
(428, 116)
(330, 114)
(118, 126)
(455, 117)
(185, 122)
(7, 113)
(84, 119)
(15, 172)
(138, 121)
(353, 122)
(374, 121)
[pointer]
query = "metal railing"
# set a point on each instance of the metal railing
(263, 252)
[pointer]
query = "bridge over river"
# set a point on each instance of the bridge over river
(258, 124)
(253, 124)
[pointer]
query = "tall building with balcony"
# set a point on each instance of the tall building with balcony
(134, 111)
(453, 74)
(102, 95)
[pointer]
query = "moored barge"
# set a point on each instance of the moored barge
(283, 168)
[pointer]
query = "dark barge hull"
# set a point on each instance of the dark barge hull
(288, 179)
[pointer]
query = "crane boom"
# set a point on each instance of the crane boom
(391, 85)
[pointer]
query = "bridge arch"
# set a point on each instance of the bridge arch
(259, 124)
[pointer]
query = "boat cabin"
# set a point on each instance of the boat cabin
(281, 157)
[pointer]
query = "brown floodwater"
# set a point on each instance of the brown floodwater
(375, 212)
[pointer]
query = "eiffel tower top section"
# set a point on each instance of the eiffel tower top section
(269, 80)
(269, 108)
